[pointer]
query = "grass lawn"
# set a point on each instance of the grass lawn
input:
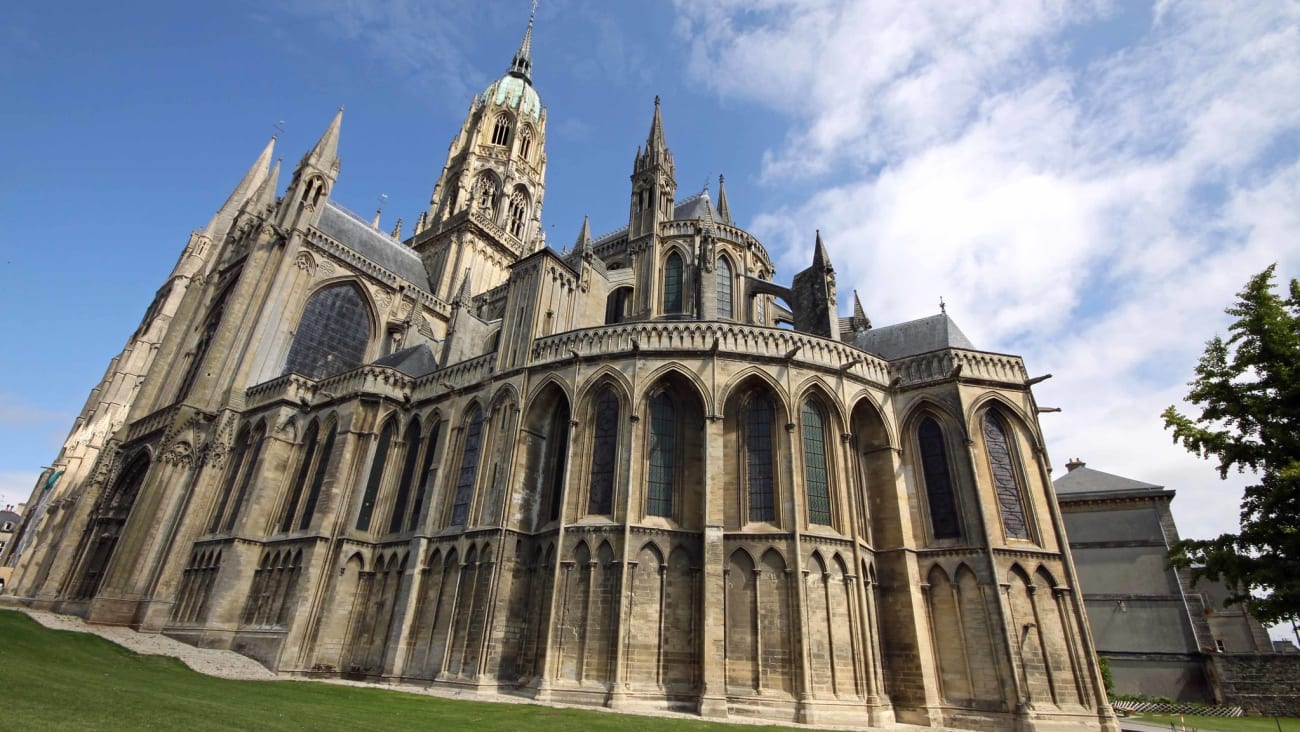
(1223, 724)
(51, 679)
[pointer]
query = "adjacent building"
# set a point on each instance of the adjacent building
(641, 473)
(1156, 629)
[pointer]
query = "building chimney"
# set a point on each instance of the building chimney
(1074, 463)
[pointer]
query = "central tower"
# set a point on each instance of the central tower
(486, 209)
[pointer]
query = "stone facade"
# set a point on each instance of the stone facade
(614, 476)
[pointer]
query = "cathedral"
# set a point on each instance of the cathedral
(641, 473)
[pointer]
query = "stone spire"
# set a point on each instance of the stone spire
(860, 319)
(325, 155)
(821, 261)
(522, 64)
(654, 143)
(582, 247)
(724, 209)
(264, 197)
(247, 188)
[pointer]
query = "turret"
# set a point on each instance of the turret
(813, 296)
(653, 182)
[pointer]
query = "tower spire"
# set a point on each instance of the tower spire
(246, 189)
(522, 64)
(724, 209)
(655, 142)
(325, 154)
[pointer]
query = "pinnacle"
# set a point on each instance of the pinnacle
(326, 152)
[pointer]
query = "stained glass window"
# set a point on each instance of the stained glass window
(426, 477)
(236, 465)
(300, 480)
(376, 475)
(758, 458)
(724, 288)
(250, 466)
(468, 469)
(1004, 479)
(663, 455)
(408, 476)
(604, 454)
(673, 283)
(815, 476)
(938, 481)
(318, 479)
(332, 333)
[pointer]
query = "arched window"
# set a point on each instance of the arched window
(318, 478)
(604, 454)
(557, 452)
(663, 455)
(290, 511)
(234, 470)
(759, 483)
(427, 475)
(376, 475)
(938, 481)
(673, 283)
(332, 334)
(525, 142)
(468, 468)
(485, 194)
(501, 129)
(518, 213)
(1010, 504)
(200, 351)
(724, 288)
(246, 480)
(616, 305)
(817, 482)
(408, 475)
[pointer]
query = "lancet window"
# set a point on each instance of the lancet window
(938, 481)
(377, 466)
(759, 483)
(673, 283)
(663, 455)
(501, 129)
(468, 468)
(724, 288)
(816, 478)
(1010, 503)
(604, 454)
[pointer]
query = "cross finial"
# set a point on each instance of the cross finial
(279, 129)
(943, 309)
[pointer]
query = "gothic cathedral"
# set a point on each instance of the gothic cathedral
(640, 474)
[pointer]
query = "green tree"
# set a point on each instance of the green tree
(1248, 392)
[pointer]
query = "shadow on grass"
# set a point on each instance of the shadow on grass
(53, 679)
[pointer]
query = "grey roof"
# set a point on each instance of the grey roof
(414, 361)
(915, 336)
(696, 207)
(1086, 480)
(9, 516)
(352, 232)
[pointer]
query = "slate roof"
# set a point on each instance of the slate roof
(913, 337)
(414, 361)
(349, 230)
(1086, 480)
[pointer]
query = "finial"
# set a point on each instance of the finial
(943, 308)
(279, 129)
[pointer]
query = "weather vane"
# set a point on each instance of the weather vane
(942, 307)
(279, 128)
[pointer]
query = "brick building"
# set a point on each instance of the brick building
(640, 474)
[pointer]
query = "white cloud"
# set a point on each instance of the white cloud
(1095, 217)
(16, 486)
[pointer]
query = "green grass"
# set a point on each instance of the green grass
(51, 680)
(1223, 724)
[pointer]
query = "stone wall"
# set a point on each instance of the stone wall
(1264, 684)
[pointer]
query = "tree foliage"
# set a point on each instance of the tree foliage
(1248, 391)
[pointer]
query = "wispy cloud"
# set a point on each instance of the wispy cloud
(1092, 207)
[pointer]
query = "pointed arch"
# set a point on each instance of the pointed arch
(501, 126)
(200, 351)
(606, 423)
(937, 475)
(517, 213)
(754, 412)
(467, 473)
(248, 472)
(873, 469)
(397, 513)
(378, 466)
(333, 332)
(1006, 470)
(525, 138)
(673, 291)
(740, 607)
(487, 190)
(544, 442)
(319, 470)
(814, 432)
(726, 301)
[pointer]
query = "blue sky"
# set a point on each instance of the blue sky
(1084, 183)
